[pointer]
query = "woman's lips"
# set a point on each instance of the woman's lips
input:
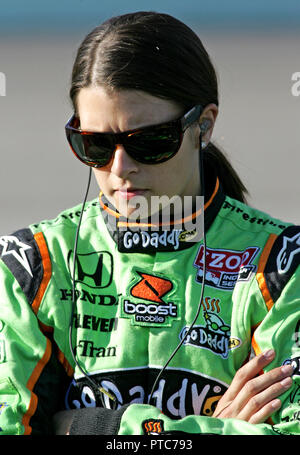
(128, 193)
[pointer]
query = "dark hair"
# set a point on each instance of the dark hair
(160, 55)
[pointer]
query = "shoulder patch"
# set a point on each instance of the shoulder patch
(283, 260)
(21, 254)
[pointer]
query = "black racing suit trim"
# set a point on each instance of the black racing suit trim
(20, 253)
(96, 421)
(283, 260)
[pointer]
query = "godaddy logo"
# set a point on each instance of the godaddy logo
(2, 84)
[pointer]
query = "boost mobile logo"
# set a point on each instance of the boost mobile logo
(151, 288)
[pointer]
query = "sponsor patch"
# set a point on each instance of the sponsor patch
(149, 241)
(95, 323)
(290, 249)
(94, 270)
(21, 254)
(94, 298)
(213, 336)
(12, 246)
(225, 267)
(153, 426)
(179, 392)
(87, 348)
(245, 216)
(148, 303)
(151, 288)
(283, 260)
(211, 304)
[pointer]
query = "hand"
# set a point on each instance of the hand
(254, 398)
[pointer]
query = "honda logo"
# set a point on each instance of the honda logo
(93, 269)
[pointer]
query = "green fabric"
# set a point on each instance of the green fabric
(110, 337)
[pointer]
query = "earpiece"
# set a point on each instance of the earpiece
(205, 125)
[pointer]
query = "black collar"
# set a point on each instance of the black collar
(141, 238)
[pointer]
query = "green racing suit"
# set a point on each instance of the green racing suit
(136, 295)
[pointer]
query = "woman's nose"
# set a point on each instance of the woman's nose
(122, 163)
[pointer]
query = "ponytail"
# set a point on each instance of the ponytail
(229, 179)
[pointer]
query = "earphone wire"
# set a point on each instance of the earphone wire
(202, 284)
(191, 326)
(90, 380)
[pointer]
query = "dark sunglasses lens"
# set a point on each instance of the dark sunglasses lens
(92, 150)
(153, 146)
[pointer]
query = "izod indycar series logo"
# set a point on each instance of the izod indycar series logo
(147, 304)
(225, 267)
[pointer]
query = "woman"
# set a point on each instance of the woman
(146, 325)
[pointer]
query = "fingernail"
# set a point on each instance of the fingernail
(287, 368)
(276, 403)
(286, 383)
(269, 353)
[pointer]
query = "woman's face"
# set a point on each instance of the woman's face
(123, 178)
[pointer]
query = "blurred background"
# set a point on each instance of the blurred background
(253, 44)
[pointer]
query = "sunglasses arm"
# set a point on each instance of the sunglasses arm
(191, 116)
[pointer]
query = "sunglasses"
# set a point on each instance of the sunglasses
(150, 145)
